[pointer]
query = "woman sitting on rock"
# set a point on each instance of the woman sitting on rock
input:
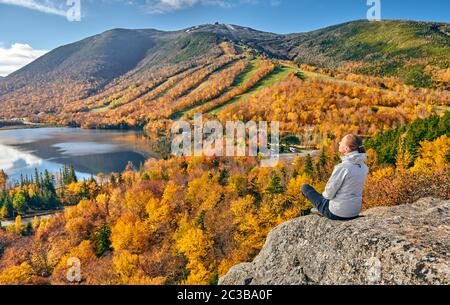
(342, 197)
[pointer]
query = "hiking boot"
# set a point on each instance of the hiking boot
(315, 211)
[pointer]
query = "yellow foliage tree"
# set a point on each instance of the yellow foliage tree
(35, 223)
(196, 246)
(249, 235)
(125, 265)
(294, 194)
(136, 201)
(128, 235)
(204, 192)
(160, 211)
(432, 155)
(17, 275)
(18, 224)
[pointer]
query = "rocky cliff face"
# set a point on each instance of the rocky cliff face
(407, 244)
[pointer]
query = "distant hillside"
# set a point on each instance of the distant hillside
(387, 48)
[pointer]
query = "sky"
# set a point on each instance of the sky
(30, 28)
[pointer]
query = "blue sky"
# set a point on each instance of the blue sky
(29, 28)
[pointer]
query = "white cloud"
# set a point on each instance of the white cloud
(17, 56)
(166, 6)
(45, 6)
(275, 2)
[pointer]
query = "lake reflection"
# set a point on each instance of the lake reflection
(89, 151)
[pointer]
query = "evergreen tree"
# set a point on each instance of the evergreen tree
(253, 188)
(309, 167)
(48, 183)
(321, 164)
(84, 190)
(28, 230)
(113, 180)
(223, 177)
(22, 181)
(323, 158)
(275, 185)
(3, 180)
(102, 242)
(36, 178)
(120, 180)
(72, 175)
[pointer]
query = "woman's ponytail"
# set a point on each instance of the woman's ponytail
(362, 149)
(355, 143)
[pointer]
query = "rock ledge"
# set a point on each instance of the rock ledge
(407, 244)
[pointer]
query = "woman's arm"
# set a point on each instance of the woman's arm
(335, 182)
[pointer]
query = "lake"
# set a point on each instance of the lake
(89, 151)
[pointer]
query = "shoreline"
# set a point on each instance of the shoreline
(22, 125)
(28, 126)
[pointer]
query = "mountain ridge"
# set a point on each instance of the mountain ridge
(414, 52)
(242, 32)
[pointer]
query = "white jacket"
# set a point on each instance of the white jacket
(345, 187)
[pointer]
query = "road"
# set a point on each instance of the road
(28, 219)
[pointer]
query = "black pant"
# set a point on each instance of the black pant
(321, 204)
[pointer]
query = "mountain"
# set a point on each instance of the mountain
(94, 68)
(99, 58)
